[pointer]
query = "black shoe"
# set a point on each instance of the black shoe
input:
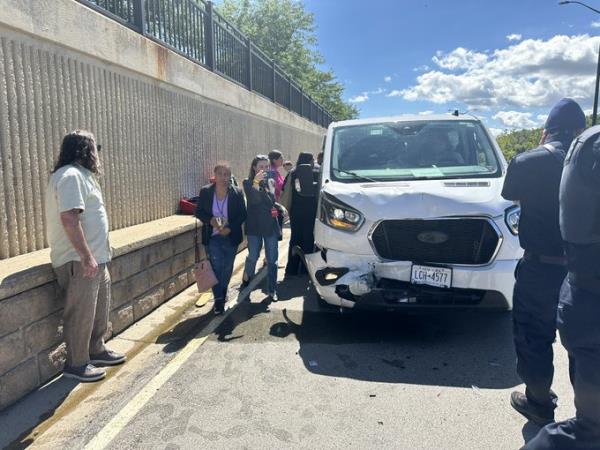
(107, 358)
(219, 309)
(244, 284)
(273, 297)
(537, 414)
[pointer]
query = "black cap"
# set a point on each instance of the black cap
(566, 115)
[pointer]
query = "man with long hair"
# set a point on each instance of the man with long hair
(77, 229)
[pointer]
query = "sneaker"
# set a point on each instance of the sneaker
(219, 309)
(273, 297)
(107, 358)
(87, 373)
(537, 414)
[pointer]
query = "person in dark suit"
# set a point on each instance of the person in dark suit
(533, 179)
(303, 212)
(222, 210)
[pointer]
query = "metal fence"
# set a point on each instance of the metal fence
(193, 29)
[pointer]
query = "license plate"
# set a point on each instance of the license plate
(431, 276)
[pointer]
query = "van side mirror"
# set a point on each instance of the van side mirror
(306, 185)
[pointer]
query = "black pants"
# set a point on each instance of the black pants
(535, 304)
(578, 323)
(302, 224)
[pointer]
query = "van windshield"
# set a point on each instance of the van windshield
(413, 150)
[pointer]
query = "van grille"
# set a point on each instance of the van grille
(468, 241)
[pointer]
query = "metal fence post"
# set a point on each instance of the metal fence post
(289, 80)
(273, 77)
(209, 36)
(301, 102)
(139, 15)
(249, 83)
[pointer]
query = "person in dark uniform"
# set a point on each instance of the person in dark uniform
(533, 180)
(303, 212)
(579, 307)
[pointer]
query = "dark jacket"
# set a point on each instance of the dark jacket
(533, 179)
(236, 211)
(260, 221)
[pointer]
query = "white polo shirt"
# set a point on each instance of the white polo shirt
(74, 187)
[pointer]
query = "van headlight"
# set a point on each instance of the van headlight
(512, 216)
(338, 215)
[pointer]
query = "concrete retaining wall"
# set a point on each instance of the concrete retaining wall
(153, 263)
(162, 120)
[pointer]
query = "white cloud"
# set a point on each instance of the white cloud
(514, 37)
(376, 91)
(497, 131)
(595, 24)
(387, 79)
(423, 68)
(542, 118)
(459, 58)
(425, 113)
(361, 98)
(395, 93)
(588, 112)
(532, 73)
(515, 119)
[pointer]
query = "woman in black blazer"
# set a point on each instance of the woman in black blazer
(222, 210)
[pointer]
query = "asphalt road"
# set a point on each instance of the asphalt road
(296, 375)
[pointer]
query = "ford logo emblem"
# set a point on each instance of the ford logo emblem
(432, 237)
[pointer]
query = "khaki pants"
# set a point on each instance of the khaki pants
(85, 320)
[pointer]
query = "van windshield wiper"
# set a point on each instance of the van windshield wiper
(354, 174)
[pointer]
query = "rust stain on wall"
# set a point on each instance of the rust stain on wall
(161, 62)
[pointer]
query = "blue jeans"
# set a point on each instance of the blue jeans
(255, 244)
(222, 256)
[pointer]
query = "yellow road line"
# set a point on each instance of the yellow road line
(114, 427)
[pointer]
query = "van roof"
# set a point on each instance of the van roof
(405, 118)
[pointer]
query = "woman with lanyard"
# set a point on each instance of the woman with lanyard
(262, 224)
(222, 210)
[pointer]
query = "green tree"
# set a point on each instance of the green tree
(285, 31)
(518, 141)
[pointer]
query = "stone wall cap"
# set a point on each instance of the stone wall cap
(25, 272)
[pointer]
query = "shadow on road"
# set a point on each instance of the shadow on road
(459, 348)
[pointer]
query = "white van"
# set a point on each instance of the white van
(410, 216)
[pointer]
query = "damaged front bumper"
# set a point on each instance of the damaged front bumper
(364, 281)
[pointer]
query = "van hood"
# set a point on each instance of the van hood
(422, 199)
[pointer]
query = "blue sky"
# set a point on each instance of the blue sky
(507, 61)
